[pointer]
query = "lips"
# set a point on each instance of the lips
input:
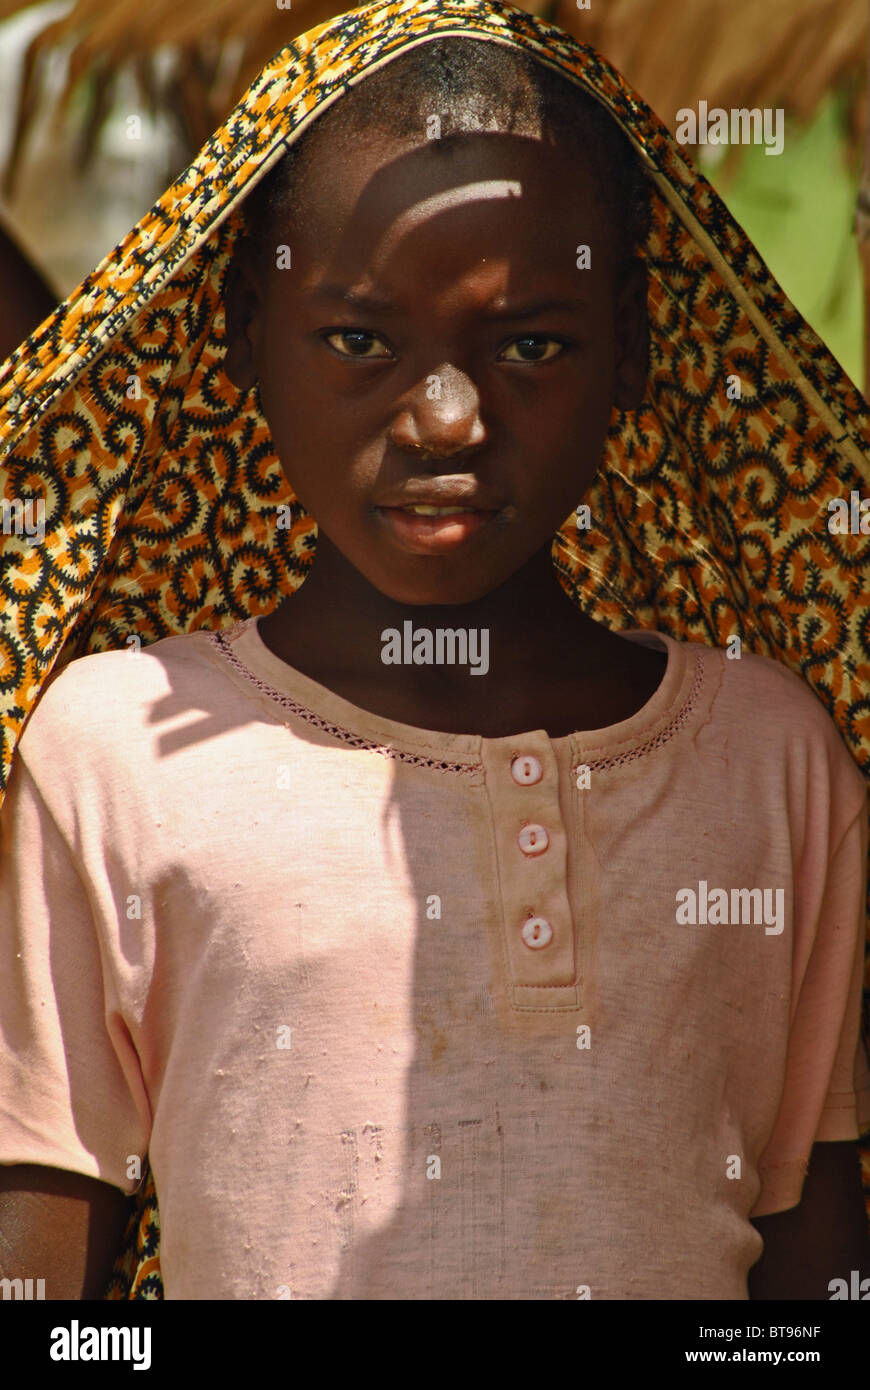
(448, 496)
(435, 532)
(427, 509)
(431, 516)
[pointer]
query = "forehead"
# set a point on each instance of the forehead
(366, 194)
(341, 165)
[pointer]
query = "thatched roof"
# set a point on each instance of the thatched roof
(785, 53)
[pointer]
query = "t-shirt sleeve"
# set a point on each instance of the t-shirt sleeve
(72, 1094)
(826, 1096)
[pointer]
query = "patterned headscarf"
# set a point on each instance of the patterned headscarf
(162, 491)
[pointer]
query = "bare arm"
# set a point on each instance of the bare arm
(61, 1227)
(823, 1238)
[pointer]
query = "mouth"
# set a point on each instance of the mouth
(424, 509)
(424, 529)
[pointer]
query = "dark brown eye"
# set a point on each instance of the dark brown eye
(358, 341)
(536, 344)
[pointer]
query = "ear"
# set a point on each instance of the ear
(632, 335)
(242, 303)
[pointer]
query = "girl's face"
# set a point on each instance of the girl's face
(439, 300)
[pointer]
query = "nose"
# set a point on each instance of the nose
(441, 415)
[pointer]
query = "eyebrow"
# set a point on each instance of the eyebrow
(373, 304)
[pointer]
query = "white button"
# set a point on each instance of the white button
(537, 932)
(533, 839)
(526, 770)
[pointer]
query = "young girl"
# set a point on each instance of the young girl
(435, 909)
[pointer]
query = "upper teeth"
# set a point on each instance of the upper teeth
(423, 509)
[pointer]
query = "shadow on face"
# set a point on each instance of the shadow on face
(447, 316)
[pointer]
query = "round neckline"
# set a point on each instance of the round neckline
(281, 683)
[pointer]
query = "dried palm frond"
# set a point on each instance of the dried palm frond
(784, 53)
(787, 53)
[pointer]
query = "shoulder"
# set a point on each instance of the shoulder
(776, 713)
(750, 677)
(105, 697)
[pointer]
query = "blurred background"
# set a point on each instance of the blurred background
(104, 102)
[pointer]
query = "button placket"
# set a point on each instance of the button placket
(522, 779)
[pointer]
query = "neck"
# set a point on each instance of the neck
(333, 625)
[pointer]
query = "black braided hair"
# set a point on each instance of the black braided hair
(469, 85)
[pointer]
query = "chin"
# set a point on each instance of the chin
(447, 594)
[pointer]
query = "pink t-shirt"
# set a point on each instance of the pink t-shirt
(414, 1015)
